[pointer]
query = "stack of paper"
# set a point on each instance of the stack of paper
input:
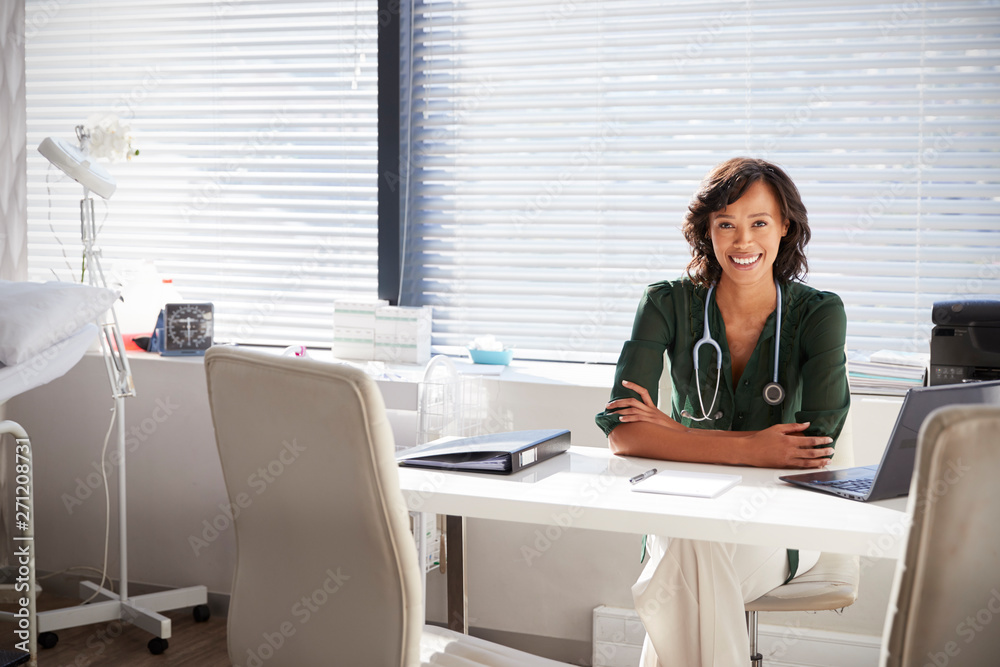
(886, 371)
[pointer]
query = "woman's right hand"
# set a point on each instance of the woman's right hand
(644, 410)
(784, 446)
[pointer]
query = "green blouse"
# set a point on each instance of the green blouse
(812, 368)
(813, 365)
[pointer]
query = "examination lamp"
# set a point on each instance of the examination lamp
(78, 165)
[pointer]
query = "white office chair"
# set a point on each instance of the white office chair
(326, 569)
(945, 603)
(832, 583)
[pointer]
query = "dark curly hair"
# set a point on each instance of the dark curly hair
(725, 184)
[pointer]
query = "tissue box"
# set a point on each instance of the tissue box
(356, 314)
(494, 357)
(354, 343)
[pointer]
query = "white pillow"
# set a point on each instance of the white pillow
(35, 316)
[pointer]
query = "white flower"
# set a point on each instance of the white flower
(109, 138)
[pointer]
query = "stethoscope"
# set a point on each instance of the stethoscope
(774, 393)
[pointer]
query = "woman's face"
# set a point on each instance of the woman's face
(745, 235)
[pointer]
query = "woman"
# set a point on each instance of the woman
(747, 228)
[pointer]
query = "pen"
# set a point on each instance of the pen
(646, 475)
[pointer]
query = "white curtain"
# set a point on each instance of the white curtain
(13, 165)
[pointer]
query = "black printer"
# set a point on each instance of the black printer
(965, 341)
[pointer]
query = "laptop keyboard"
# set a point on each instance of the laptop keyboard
(862, 485)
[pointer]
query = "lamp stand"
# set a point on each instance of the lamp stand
(141, 610)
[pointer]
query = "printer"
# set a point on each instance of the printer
(965, 341)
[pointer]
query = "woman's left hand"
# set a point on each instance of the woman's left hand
(632, 410)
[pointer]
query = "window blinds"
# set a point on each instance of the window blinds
(255, 186)
(554, 146)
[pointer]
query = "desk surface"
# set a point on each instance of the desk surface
(588, 488)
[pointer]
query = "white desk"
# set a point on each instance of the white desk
(588, 488)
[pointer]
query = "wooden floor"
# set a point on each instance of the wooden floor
(112, 644)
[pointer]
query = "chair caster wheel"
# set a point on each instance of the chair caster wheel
(157, 645)
(48, 640)
(201, 613)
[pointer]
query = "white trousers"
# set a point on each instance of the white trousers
(691, 596)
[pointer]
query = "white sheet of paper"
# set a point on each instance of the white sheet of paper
(681, 483)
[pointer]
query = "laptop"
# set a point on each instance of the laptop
(891, 477)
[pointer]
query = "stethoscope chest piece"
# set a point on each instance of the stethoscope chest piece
(774, 393)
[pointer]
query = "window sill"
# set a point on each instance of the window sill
(574, 374)
(399, 381)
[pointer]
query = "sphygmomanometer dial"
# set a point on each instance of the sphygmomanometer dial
(188, 327)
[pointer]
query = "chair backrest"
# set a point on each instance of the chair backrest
(947, 591)
(843, 451)
(326, 567)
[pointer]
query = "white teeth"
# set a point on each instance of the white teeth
(745, 261)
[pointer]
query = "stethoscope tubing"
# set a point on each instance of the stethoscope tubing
(706, 337)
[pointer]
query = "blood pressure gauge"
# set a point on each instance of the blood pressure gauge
(184, 329)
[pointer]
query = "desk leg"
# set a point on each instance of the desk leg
(458, 601)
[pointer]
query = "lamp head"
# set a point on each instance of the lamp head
(78, 166)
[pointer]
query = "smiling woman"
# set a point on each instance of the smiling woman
(747, 227)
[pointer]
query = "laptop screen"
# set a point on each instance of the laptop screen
(921, 401)
(896, 468)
